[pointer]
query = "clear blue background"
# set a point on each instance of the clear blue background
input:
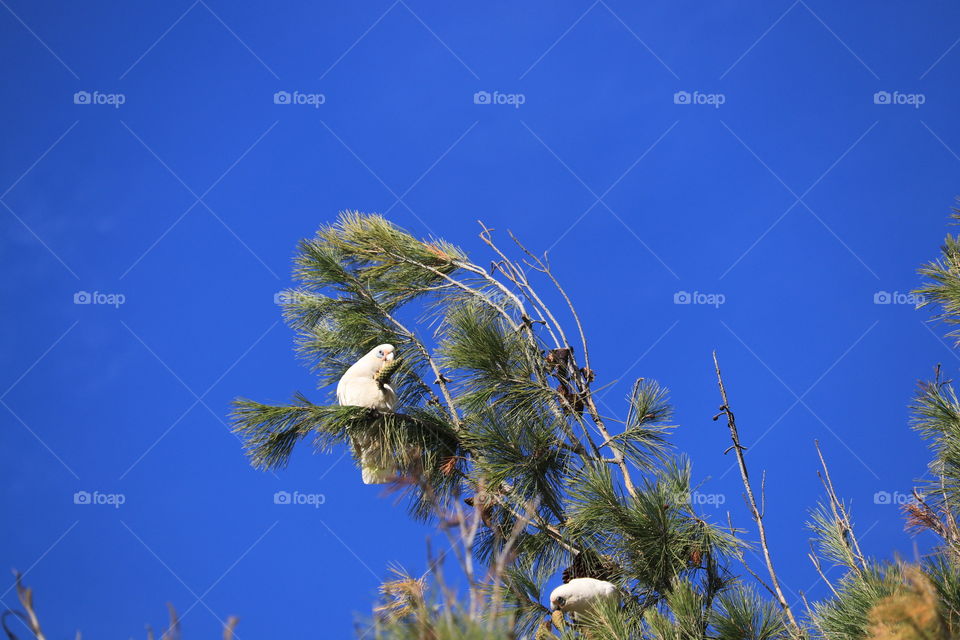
(133, 400)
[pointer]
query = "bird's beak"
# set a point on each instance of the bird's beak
(388, 357)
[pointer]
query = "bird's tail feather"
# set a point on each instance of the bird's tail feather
(374, 468)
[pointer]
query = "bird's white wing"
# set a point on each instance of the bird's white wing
(365, 392)
(358, 388)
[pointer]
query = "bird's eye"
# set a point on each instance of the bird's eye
(561, 600)
(380, 353)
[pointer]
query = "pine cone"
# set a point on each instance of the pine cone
(559, 358)
(545, 629)
(696, 556)
(572, 402)
(557, 619)
(383, 375)
(485, 506)
(590, 564)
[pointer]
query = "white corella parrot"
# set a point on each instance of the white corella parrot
(360, 387)
(580, 595)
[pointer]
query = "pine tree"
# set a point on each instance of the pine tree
(499, 440)
(497, 411)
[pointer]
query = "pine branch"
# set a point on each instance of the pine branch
(478, 294)
(28, 616)
(543, 267)
(424, 353)
(519, 279)
(580, 377)
(543, 495)
(816, 563)
(271, 432)
(751, 500)
(841, 516)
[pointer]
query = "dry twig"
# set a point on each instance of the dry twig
(755, 511)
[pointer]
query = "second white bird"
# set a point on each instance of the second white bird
(580, 595)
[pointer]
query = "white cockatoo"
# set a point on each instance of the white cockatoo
(580, 595)
(359, 387)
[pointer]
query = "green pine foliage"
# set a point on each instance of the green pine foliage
(496, 408)
(846, 617)
(741, 614)
(501, 444)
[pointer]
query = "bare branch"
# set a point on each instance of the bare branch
(858, 562)
(752, 502)
(816, 563)
(544, 267)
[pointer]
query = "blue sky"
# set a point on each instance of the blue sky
(733, 150)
